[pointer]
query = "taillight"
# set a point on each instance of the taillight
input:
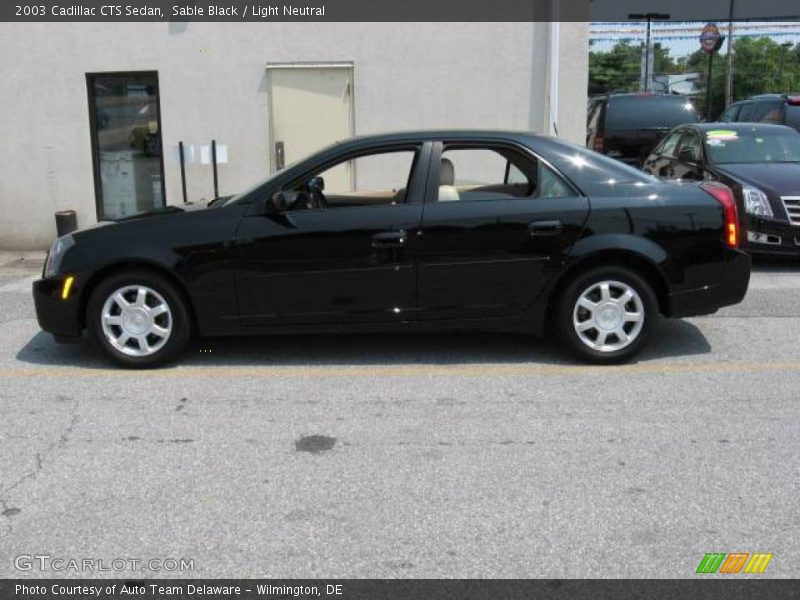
(599, 144)
(724, 195)
(793, 100)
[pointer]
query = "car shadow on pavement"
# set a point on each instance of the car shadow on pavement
(776, 264)
(670, 338)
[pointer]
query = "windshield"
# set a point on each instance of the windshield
(752, 145)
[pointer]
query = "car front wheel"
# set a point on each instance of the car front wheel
(605, 315)
(139, 319)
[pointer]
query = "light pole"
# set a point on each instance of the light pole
(650, 16)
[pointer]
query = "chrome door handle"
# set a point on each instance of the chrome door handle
(390, 239)
(541, 228)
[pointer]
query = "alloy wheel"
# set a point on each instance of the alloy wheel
(608, 316)
(136, 320)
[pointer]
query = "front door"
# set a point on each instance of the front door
(338, 253)
(495, 230)
(310, 107)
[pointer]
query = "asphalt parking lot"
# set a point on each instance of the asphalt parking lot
(404, 456)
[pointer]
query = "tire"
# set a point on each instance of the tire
(138, 318)
(604, 315)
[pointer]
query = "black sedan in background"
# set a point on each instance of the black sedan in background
(415, 231)
(759, 162)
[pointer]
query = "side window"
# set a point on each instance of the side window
(730, 114)
(368, 180)
(746, 113)
(768, 111)
(691, 142)
(482, 173)
(550, 185)
(669, 145)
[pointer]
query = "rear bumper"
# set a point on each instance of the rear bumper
(730, 289)
(57, 315)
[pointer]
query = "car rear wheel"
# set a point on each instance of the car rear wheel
(604, 315)
(139, 319)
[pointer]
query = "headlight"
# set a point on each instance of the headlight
(57, 251)
(756, 202)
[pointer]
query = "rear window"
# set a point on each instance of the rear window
(644, 112)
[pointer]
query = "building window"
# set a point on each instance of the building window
(125, 122)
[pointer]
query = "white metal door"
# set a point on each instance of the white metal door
(310, 106)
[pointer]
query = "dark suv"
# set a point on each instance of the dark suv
(780, 109)
(627, 126)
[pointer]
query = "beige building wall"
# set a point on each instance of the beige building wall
(213, 85)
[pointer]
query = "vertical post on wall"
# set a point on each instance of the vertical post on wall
(183, 170)
(554, 68)
(214, 167)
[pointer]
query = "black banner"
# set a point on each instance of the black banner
(400, 589)
(386, 10)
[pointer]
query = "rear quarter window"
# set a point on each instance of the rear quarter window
(642, 112)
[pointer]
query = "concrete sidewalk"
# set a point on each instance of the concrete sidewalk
(32, 260)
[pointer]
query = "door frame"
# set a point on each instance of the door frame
(274, 66)
(98, 184)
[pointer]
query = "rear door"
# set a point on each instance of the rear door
(496, 225)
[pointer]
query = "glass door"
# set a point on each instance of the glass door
(126, 143)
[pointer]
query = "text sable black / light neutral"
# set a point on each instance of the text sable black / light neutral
(256, 10)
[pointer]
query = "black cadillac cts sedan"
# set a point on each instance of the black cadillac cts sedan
(416, 231)
(758, 161)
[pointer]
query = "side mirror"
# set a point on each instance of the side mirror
(274, 204)
(315, 184)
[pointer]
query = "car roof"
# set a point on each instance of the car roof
(646, 95)
(438, 134)
(773, 96)
(736, 126)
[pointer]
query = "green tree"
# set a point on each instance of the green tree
(619, 69)
(760, 66)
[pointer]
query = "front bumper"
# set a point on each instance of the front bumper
(729, 289)
(770, 236)
(57, 315)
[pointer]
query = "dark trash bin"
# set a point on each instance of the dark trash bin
(66, 222)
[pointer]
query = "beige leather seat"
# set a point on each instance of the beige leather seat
(447, 180)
